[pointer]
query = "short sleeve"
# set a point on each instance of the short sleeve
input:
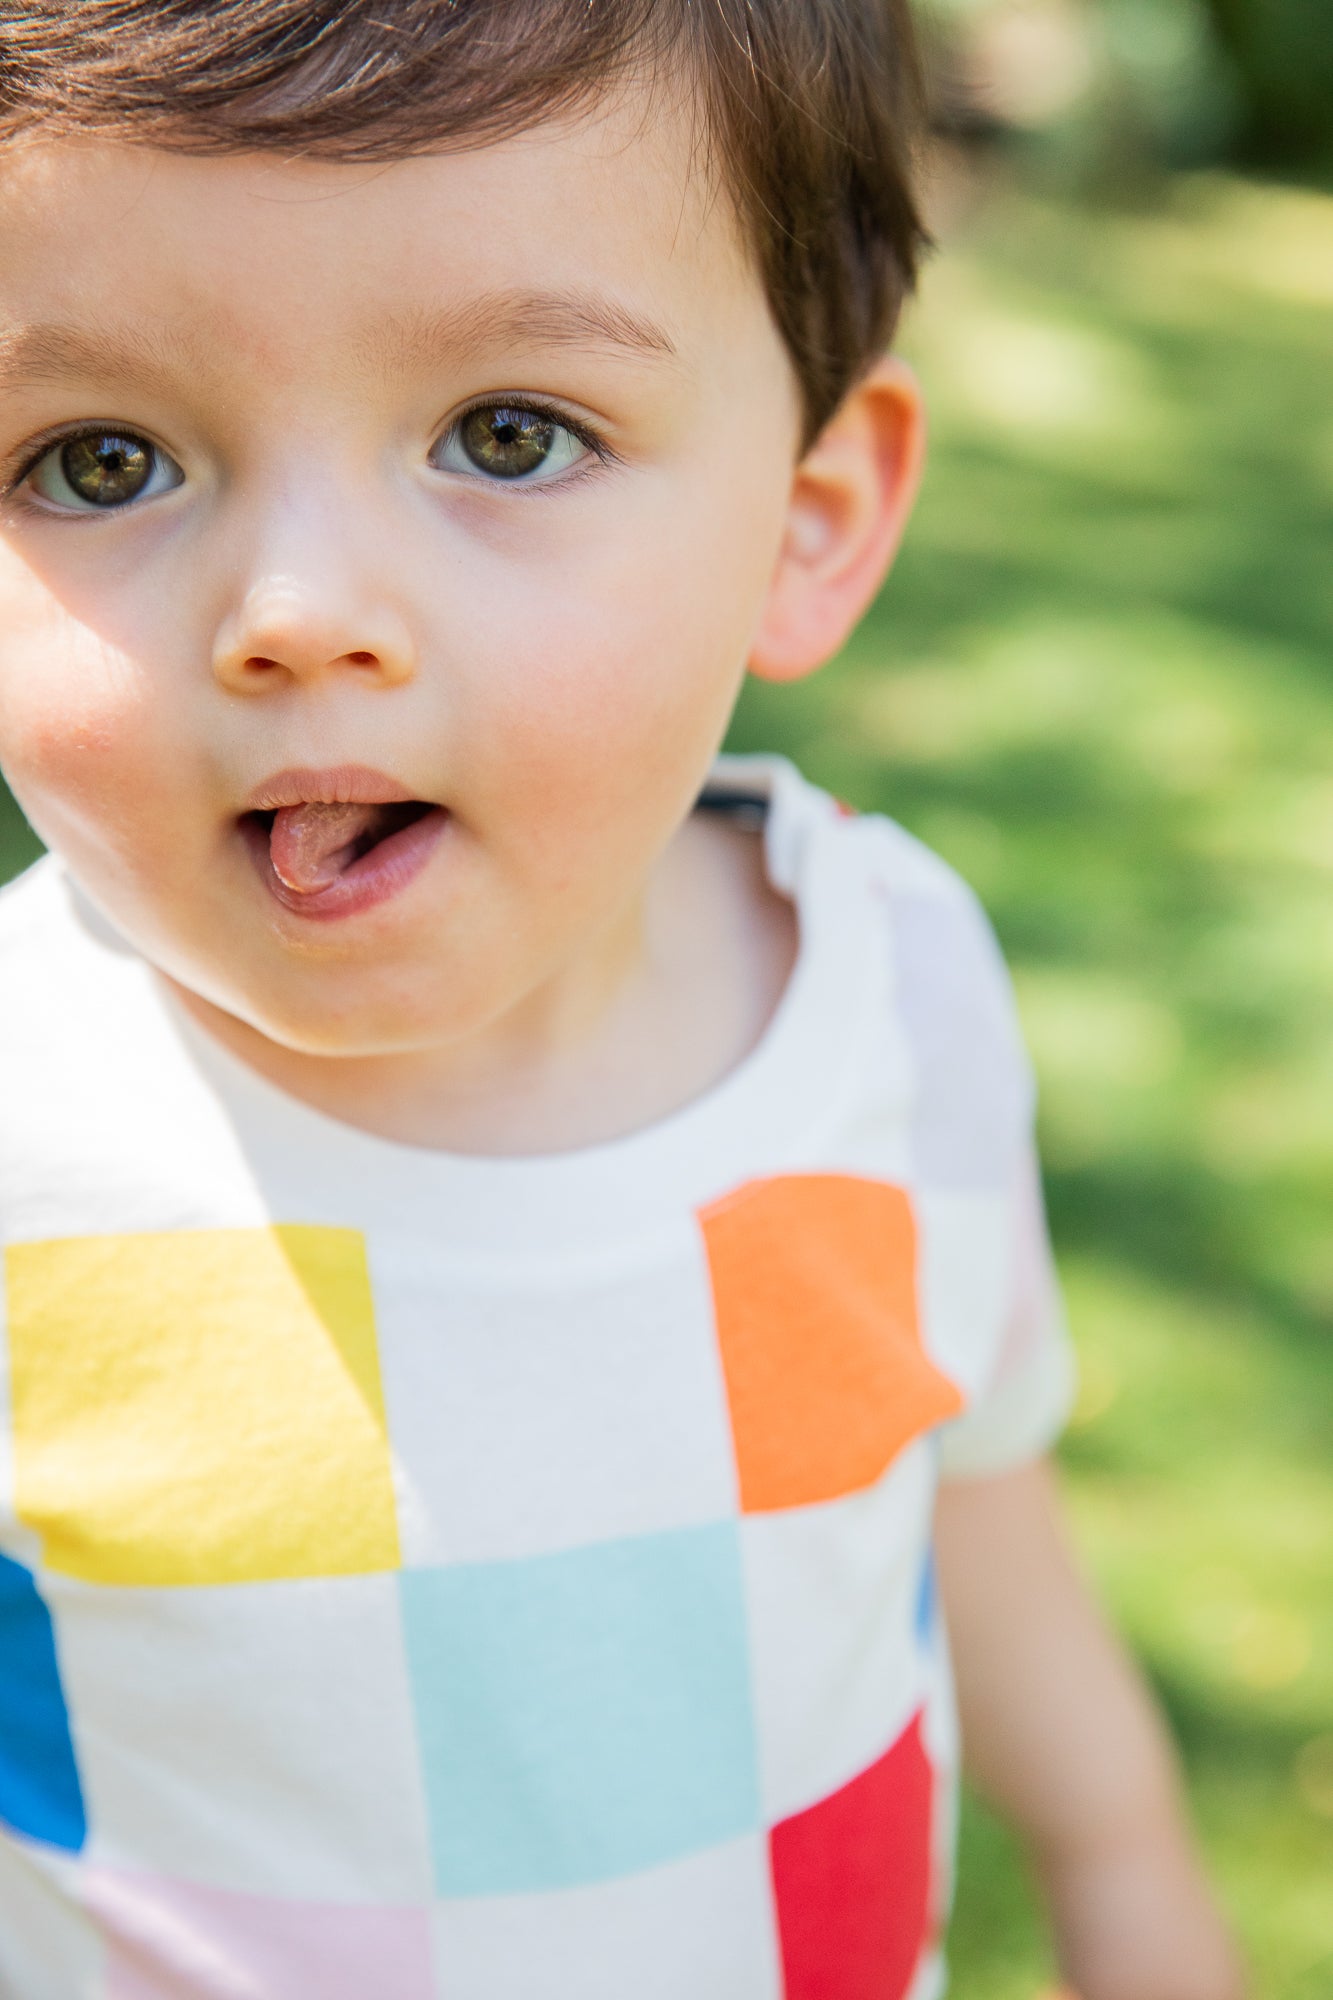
(991, 1302)
(1024, 1403)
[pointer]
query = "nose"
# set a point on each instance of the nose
(295, 625)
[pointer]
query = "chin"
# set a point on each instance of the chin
(342, 1027)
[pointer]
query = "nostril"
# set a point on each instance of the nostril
(250, 672)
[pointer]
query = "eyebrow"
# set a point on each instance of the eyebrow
(39, 354)
(513, 319)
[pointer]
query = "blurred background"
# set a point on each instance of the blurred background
(1101, 683)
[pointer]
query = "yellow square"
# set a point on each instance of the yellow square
(201, 1406)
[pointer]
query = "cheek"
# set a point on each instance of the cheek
(595, 731)
(611, 661)
(77, 735)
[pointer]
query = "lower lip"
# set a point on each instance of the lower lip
(376, 878)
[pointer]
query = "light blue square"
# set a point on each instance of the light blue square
(585, 1714)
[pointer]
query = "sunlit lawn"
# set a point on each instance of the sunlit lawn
(1101, 682)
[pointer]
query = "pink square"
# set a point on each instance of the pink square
(165, 1938)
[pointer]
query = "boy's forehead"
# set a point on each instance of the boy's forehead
(603, 230)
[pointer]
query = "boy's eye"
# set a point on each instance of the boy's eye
(102, 469)
(505, 441)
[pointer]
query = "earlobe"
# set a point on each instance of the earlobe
(850, 500)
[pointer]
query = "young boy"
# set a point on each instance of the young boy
(518, 1238)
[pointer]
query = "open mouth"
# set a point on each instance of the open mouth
(326, 859)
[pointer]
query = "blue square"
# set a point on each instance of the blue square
(40, 1794)
(585, 1714)
(927, 1602)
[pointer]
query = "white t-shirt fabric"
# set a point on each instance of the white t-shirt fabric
(449, 1578)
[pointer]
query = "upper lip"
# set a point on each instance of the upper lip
(338, 785)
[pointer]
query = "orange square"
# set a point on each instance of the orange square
(814, 1286)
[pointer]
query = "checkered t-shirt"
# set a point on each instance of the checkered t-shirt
(441, 1578)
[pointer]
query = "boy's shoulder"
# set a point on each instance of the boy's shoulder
(943, 1008)
(50, 940)
(35, 936)
(28, 900)
(890, 859)
(72, 993)
(104, 1123)
(946, 958)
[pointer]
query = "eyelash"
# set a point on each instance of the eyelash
(22, 464)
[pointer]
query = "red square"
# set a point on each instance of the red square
(852, 1878)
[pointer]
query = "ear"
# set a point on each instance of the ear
(851, 497)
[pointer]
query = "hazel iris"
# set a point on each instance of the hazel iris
(106, 468)
(507, 443)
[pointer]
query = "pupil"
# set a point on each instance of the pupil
(507, 443)
(106, 470)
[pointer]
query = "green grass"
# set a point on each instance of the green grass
(1099, 682)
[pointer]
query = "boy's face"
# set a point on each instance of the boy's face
(459, 480)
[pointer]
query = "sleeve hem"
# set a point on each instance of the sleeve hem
(1019, 1421)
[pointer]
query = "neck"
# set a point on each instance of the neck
(672, 997)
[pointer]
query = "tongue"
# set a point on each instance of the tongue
(312, 845)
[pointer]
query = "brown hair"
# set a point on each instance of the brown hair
(811, 110)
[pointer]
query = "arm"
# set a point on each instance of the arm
(1061, 1734)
